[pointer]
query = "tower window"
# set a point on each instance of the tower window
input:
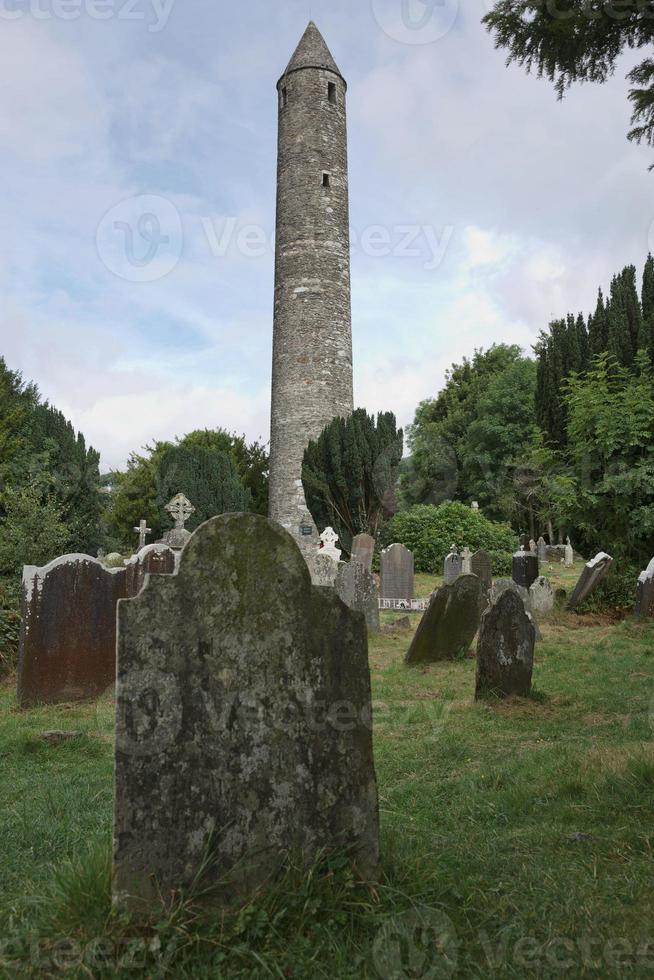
(326, 180)
(331, 92)
(284, 96)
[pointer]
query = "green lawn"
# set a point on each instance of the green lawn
(517, 838)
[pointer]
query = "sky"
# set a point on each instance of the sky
(137, 208)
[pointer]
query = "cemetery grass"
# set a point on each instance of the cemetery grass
(528, 824)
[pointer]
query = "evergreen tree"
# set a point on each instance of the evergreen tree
(598, 328)
(207, 476)
(647, 303)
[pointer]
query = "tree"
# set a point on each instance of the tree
(349, 472)
(572, 41)
(207, 476)
(17, 403)
(33, 531)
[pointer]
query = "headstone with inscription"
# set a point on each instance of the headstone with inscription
(363, 549)
(541, 594)
(593, 574)
(449, 624)
(505, 649)
(481, 566)
(322, 568)
(452, 566)
(243, 731)
(397, 575)
(355, 585)
(525, 568)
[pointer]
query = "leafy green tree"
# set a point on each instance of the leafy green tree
(572, 41)
(33, 530)
(349, 472)
(133, 495)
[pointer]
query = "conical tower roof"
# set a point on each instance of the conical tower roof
(312, 52)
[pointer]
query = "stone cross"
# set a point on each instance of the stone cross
(329, 539)
(142, 530)
(180, 509)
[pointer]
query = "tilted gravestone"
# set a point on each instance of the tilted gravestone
(645, 592)
(505, 649)
(501, 585)
(452, 566)
(396, 573)
(541, 594)
(243, 732)
(363, 549)
(481, 566)
(449, 624)
(542, 550)
(525, 568)
(68, 630)
(355, 585)
(593, 574)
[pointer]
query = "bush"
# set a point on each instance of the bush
(9, 624)
(429, 532)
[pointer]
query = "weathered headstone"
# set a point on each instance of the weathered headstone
(466, 554)
(452, 566)
(541, 594)
(355, 584)
(525, 568)
(363, 549)
(153, 559)
(329, 539)
(142, 530)
(594, 572)
(533, 547)
(181, 510)
(475, 505)
(449, 624)
(569, 559)
(542, 551)
(481, 566)
(505, 649)
(396, 568)
(322, 568)
(645, 592)
(501, 585)
(68, 630)
(243, 730)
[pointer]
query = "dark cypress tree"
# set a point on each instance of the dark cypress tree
(647, 302)
(633, 310)
(208, 477)
(620, 345)
(598, 328)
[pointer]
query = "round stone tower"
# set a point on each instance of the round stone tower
(312, 341)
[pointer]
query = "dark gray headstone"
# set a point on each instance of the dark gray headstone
(501, 585)
(594, 572)
(524, 541)
(645, 592)
(505, 649)
(243, 730)
(449, 624)
(355, 585)
(525, 568)
(452, 566)
(481, 566)
(363, 549)
(68, 630)
(396, 571)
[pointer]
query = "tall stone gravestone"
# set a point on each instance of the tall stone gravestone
(363, 549)
(481, 566)
(355, 585)
(500, 585)
(243, 731)
(569, 557)
(525, 568)
(594, 572)
(452, 566)
(542, 551)
(645, 592)
(396, 573)
(449, 624)
(505, 649)
(466, 555)
(68, 630)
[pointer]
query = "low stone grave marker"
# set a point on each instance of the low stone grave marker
(449, 624)
(452, 566)
(541, 594)
(505, 650)
(593, 574)
(243, 733)
(322, 568)
(397, 575)
(355, 585)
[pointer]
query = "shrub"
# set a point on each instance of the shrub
(9, 624)
(429, 532)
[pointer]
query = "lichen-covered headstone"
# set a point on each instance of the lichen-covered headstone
(396, 571)
(153, 559)
(481, 566)
(452, 566)
(525, 568)
(322, 568)
(68, 630)
(363, 549)
(500, 585)
(449, 624)
(594, 572)
(505, 649)
(541, 594)
(243, 733)
(355, 584)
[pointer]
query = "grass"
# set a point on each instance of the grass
(517, 837)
